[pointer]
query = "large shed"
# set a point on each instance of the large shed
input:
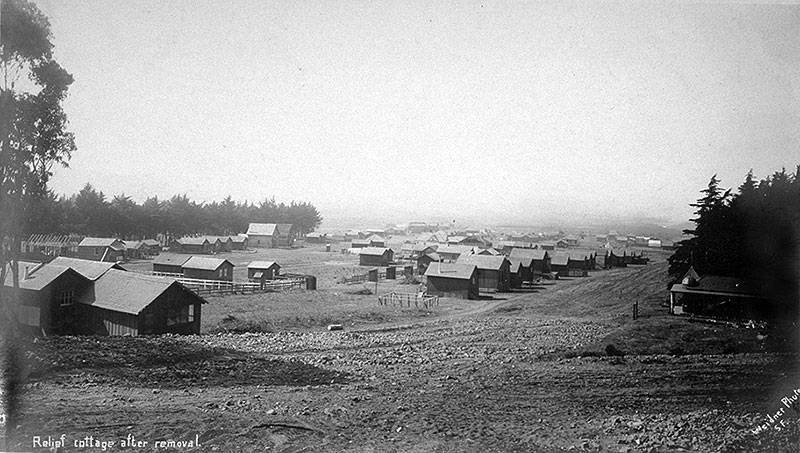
(270, 235)
(452, 280)
(494, 272)
(101, 249)
(207, 268)
(375, 256)
(193, 245)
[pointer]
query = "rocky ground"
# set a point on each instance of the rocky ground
(491, 381)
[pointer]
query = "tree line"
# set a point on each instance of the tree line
(752, 234)
(91, 213)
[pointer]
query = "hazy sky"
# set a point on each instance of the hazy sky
(499, 111)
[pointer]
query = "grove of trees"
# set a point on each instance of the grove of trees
(91, 213)
(752, 234)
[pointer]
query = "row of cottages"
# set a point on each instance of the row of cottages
(202, 268)
(494, 272)
(74, 296)
(271, 235)
(612, 259)
(102, 249)
(527, 264)
(718, 297)
(142, 249)
(48, 245)
(375, 256)
(372, 241)
(458, 280)
(565, 265)
(209, 244)
(412, 251)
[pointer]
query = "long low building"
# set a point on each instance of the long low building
(452, 280)
(75, 296)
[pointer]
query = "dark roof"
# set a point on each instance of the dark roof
(40, 277)
(460, 271)
(204, 263)
(89, 269)
(484, 262)
(128, 292)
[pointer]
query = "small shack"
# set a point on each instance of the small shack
(165, 264)
(423, 261)
(559, 264)
(262, 270)
(135, 249)
(101, 249)
(199, 245)
(153, 247)
(375, 256)
(376, 241)
(207, 268)
(494, 272)
(359, 243)
(239, 242)
(452, 280)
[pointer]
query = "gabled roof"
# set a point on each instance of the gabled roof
(455, 239)
(238, 238)
(559, 259)
(128, 292)
(454, 249)
(433, 256)
(204, 263)
(151, 242)
(220, 238)
(527, 254)
(360, 241)
(374, 251)
(460, 271)
(87, 268)
(262, 264)
(283, 229)
(133, 245)
(192, 241)
(484, 262)
(40, 277)
(102, 242)
(171, 260)
(262, 229)
(376, 238)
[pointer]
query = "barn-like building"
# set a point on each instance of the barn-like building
(375, 256)
(452, 280)
(494, 272)
(266, 270)
(207, 268)
(101, 249)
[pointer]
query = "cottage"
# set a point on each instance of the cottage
(577, 267)
(101, 249)
(559, 263)
(171, 265)
(135, 249)
(423, 261)
(376, 241)
(494, 272)
(152, 247)
(359, 243)
(221, 243)
(206, 268)
(375, 256)
(270, 235)
(551, 246)
(452, 252)
(532, 261)
(262, 270)
(718, 297)
(452, 280)
(571, 240)
(192, 245)
(42, 246)
(239, 242)
(74, 296)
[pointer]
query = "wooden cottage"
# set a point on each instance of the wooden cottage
(221, 243)
(262, 270)
(376, 241)
(169, 265)
(152, 247)
(135, 249)
(239, 242)
(452, 280)
(270, 235)
(101, 249)
(494, 272)
(359, 243)
(375, 256)
(423, 261)
(559, 264)
(719, 297)
(199, 245)
(74, 296)
(316, 238)
(451, 253)
(534, 262)
(207, 268)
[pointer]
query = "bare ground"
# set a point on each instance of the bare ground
(528, 373)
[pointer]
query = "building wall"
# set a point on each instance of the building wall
(170, 268)
(194, 248)
(100, 321)
(96, 254)
(372, 260)
(269, 273)
(452, 287)
(260, 241)
(171, 313)
(204, 274)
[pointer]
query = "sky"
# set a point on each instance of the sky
(495, 112)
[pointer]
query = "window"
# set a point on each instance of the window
(67, 298)
(97, 251)
(191, 313)
(221, 272)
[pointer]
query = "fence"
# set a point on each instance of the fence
(213, 287)
(406, 299)
(362, 278)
